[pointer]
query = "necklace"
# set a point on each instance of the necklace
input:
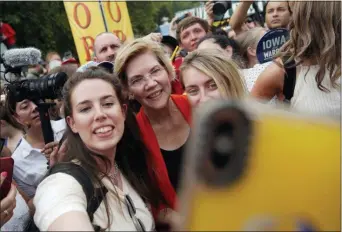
(115, 173)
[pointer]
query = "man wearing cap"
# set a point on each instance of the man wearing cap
(169, 45)
(70, 62)
(106, 45)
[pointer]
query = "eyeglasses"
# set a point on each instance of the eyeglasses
(132, 211)
(140, 79)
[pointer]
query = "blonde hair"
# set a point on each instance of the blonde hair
(315, 35)
(135, 48)
(214, 64)
(248, 39)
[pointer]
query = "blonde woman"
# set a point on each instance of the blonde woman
(247, 42)
(208, 74)
(164, 119)
(314, 46)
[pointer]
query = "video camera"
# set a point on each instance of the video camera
(46, 87)
(16, 62)
(220, 7)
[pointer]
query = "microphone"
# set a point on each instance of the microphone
(19, 57)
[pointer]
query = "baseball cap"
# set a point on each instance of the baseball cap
(108, 66)
(70, 61)
(169, 40)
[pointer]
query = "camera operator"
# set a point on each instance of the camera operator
(30, 164)
(277, 15)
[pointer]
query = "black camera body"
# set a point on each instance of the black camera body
(220, 7)
(37, 90)
(17, 61)
(48, 87)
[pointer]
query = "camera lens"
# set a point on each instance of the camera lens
(220, 7)
(222, 145)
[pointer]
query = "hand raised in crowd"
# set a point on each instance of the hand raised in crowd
(7, 204)
(209, 10)
(173, 27)
(54, 153)
(156, 37)
(49, 148)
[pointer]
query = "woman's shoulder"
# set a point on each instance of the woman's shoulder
(22, 149)
(57, 187)
(56, 195)
(60, 180)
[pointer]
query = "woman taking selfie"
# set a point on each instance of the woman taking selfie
(164, 119)
(208, 74)
(101, 141)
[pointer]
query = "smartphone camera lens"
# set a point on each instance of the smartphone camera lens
(223, 146)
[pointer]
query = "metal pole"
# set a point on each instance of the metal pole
(103, 16)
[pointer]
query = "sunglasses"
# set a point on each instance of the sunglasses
(132, 211)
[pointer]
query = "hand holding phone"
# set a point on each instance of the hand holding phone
(252, 167)
(7, 205)
(6, 166)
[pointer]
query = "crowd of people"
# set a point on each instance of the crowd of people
(124, 119)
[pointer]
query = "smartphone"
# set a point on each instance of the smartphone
(249, 167)
(6, 165)
(2, 143)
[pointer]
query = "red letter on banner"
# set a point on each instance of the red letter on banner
(118, 12)
(87, 12)
(120, 35)
(88, 44)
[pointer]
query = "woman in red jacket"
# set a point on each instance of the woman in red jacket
(164, 119)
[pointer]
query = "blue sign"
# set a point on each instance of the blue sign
(270, 43)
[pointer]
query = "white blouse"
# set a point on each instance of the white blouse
(307, 98)
(252, 74)
(61, 193)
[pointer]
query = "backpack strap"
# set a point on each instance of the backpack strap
(94, 195)
(289, 79)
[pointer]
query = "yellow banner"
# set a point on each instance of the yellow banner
(117, 19)
(86, 20)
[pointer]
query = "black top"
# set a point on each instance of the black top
(173, 160)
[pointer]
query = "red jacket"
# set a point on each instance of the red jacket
(8, 31)
(157, 160)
